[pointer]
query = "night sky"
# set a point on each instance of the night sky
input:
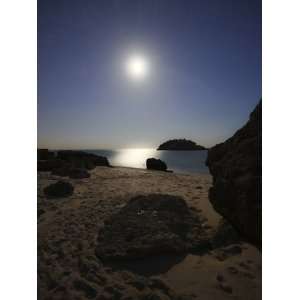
(204, 77)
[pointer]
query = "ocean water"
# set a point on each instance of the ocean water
(178, 161)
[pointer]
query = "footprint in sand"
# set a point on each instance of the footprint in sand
(222, 284)
(232, 270)
(244, 266)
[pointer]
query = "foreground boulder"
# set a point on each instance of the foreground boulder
(151, 225)
(236, 169)
(59, 189)
(156, 164)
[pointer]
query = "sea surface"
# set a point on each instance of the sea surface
(178, 161)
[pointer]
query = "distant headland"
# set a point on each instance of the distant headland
(180, 145)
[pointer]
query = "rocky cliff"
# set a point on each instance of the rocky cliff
(236, 169)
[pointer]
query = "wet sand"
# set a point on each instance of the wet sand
(68, 229)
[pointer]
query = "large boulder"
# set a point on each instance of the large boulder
(59, 189)
(156, 164)
(151, 225)
(236, 169)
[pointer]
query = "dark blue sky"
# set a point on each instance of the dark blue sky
(204, 79)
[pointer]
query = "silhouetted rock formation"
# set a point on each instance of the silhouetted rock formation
(67, 162)
(151, 225)
(156, 164)
(59, 189)
(236, 169)
(81, 159)
(180, 144)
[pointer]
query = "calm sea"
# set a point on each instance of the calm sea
(178, 161)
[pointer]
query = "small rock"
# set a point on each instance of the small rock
(156, 164)
(59, 189)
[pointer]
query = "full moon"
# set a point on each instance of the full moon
(137, 67)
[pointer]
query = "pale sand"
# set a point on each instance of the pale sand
(68, 229)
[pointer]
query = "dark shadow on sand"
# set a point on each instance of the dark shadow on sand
(149, 266)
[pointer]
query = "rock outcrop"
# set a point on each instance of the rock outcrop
(180, 145)
(44, 154)
(73, 164)
(156, 164)
(151, 225)
(236, 169)
(81, 159)
(49, 165)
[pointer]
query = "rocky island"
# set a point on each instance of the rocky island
(180, 145)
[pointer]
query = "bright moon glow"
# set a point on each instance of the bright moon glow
(137, 67)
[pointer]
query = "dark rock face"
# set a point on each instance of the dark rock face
(59, 189)
(156, 164)
(180, 144)
(236, 169)
(151, 225)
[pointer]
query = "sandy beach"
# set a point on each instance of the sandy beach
(67, 237)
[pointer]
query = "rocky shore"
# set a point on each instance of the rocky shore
(115, 236)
